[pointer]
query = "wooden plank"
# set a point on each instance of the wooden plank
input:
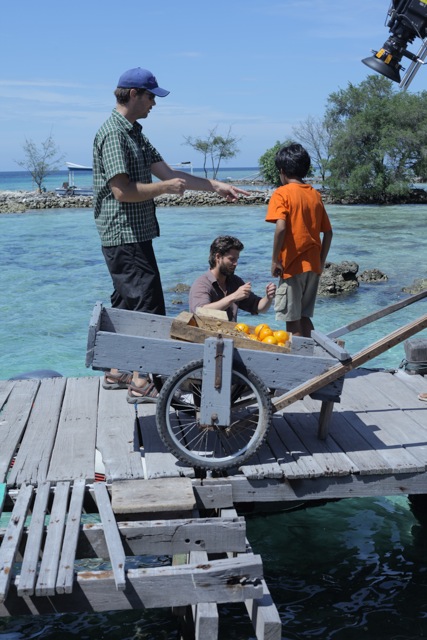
(94, 325)
(153, 496)
(115, 437)
(14, 419)
(160, 463)
(28, 576)
(6, 387)
(205, 614)
(264, 615)
(112, 537)
(206, 312)
(65, 578)
(365, 458)
(287, 464)
(135, 323)
(381, 313)
(302, 463)
(326, 453)
(10, 545)
(327, 488)
(73, 455)
(135, 353)
(46, 580)
(277, 370)
(262, 611)
(330, 346)
(32, 461)
(224, 580)
(380, 429)
(171, 537)
(213, 496)
(415, 382)
(358, 360)
(396, 389)
(216, 382)
(263, 464)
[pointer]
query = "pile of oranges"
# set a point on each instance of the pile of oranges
(263, 333)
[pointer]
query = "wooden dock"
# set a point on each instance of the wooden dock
(58, 507)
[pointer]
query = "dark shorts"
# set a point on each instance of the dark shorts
(136, 278)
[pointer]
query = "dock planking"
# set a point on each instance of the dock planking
(379, 427)
(376, 445)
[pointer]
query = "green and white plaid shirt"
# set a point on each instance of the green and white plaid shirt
(121, 147)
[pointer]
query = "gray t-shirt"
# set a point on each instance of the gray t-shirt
(206, 289)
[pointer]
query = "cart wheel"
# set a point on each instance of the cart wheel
(212, 446)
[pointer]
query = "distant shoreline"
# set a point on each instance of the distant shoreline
(22, 201)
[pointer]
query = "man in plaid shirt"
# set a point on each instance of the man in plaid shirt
(125, 214)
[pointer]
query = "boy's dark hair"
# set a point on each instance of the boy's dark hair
(222, 245)
(293, 160)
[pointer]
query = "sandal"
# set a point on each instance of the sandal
(146, 393)
(423, 397)
(116, 380)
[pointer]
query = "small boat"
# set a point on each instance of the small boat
(69, 188)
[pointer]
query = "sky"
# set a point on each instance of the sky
(259, 67)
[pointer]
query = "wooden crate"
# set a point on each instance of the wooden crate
(193, 328)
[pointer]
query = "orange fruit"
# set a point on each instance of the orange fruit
(259, 327)
(270, 339)
(241, 326)
(265, 331)
(282, 336)
(281, 344)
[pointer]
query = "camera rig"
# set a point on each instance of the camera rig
(406, 20)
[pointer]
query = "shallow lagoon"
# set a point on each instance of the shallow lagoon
(53, 273)
(347, 570)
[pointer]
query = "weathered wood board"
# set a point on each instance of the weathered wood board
(73, 455)
(142, 496)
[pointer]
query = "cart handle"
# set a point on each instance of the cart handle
(377, 315)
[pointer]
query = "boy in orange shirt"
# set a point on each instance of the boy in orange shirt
(299, 251)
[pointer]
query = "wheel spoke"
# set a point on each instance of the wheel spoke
(212, 446)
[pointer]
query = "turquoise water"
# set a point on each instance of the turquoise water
(355, 569)
(53, 273)
(22, 181)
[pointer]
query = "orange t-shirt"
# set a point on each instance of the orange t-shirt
(305, 216)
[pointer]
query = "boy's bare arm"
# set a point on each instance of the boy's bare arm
(278, 241)
(326, 244)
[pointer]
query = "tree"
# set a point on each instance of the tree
(315, 135)
(268, 167)
(214, 148)
(379, 138)
(40, 161)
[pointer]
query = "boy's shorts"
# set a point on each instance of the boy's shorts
(296, 297)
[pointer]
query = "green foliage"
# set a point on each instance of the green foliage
(267, 164)
(378, 140)
(40, 161)
(214, 148)
(268, 167)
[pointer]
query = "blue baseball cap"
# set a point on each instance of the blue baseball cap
(141, 79)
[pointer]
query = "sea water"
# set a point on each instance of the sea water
(342, 571)
(22, 180)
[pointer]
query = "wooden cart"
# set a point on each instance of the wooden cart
(218, 389)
